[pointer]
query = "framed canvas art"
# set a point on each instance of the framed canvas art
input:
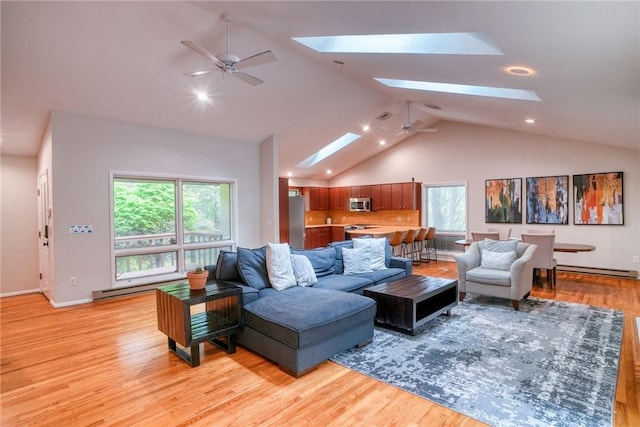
(597, 198)
(503, 200)
(548, 200)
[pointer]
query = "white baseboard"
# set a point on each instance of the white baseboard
(68, 303)
(24, 292)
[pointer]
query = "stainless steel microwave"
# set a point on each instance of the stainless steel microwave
(360, 204)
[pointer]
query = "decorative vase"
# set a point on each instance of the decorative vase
(197, 280)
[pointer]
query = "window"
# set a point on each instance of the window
(446, 210)
(165, 226)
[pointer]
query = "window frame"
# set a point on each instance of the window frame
(179, 247)
(425, 206)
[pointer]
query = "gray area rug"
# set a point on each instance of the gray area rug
(550, 364)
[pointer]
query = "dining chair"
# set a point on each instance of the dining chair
(543, 256)
(504, 233)
(540, 231)
(479, 236)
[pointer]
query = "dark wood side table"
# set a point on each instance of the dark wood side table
(221, 316)
(408, 303)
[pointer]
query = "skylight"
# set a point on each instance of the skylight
(433, 43)
(493, 92)
(330, 149)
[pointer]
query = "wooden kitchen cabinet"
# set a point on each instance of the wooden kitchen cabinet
(318, 198)
(317, 237)
(360, 191)
(337, 234)
(339, 198)
(381, 197)
(403, 196)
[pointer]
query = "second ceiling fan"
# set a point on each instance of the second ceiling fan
(228, 63)
(409, 127)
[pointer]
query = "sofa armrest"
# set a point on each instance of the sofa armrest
(404, 263)
(522, 274)
(467, 261)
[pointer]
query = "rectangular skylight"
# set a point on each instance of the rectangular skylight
(494, 92)
(430, 43)
(330, 149)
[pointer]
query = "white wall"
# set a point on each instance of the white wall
(472, 154)
(84, 150)
(19, 225)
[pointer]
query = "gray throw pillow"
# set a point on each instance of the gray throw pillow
(500, 245)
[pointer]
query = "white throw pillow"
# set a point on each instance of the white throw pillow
(356, 260)
(303, 270)
(279, 267)
(497, 260)
(376, 247)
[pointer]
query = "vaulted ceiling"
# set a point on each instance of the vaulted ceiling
(124, 61)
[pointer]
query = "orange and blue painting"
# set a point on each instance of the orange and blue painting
(548, 200)
(598, 198)
(503, 200)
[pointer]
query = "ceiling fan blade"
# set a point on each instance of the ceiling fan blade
(248, 78)
(202, 51)
(199, 73)
(428, 130)
(259, 59)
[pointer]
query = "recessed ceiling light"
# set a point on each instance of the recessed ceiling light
(429, 43)
(365, 128)
(520, 71)
(328, 171)
(289, 174)
(202, 96)
(531, 121)
(328, 150)
(382, 142)
(494, 92)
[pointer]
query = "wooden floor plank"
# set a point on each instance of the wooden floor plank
(106, 363)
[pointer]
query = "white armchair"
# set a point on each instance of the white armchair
(513, 282)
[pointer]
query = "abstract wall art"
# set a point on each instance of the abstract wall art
(548, 200)
(503, 200)
(597, 198)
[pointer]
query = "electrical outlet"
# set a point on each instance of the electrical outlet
(636, 259)
(73, 280)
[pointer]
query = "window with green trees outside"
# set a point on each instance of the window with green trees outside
(163, 227)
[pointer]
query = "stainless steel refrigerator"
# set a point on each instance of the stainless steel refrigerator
(296, 222)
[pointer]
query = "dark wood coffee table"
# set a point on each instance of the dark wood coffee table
(408, 303)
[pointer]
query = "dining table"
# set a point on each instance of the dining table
(557, 246)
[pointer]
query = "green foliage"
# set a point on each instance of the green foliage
(146, 207)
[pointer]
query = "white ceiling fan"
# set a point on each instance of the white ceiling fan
(409, 127)
(228, 63)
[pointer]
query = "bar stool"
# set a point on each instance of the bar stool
(419, 244)
(431, 237)
(396, 241)
(408, 249)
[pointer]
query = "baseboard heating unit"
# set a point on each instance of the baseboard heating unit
(627, 274)
(130, 290)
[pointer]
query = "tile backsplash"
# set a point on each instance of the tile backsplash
(386, 217)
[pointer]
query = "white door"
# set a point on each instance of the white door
(44, 232)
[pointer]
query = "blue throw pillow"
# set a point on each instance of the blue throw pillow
(252, 266)
(227, 267)
(323, 260)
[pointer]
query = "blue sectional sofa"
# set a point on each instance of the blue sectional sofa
(300, 327)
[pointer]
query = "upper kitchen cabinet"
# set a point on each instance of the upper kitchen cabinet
(318, 198)
(360, 191)
(381, 197)
(339, 198)
(406, 195)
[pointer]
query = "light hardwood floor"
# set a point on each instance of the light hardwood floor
(105, 363)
